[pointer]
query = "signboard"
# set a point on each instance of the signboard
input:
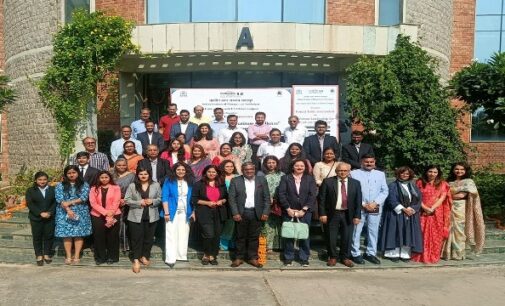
(317, 102)
(243, 102)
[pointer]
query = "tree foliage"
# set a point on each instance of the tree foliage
(85, 50)
(401, 103)
(483, 85)
(7, 95)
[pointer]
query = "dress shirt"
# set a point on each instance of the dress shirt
(405, 186)
(116, 147)
(279, 150)
(96, 160)
(198, 121)
(43, 191)
(374, 187)
(225, 134)
(297, 134)
(139, 126)
(154, 176)
(166, 123)
(217, 126)
(254, 129)
(338, 206)
(250, 187)
(184, 127)
(321, 144)
(83, 169)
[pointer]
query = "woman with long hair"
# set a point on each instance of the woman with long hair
(240, 148)
(225, 154)
(182, 139)
(209, 200)
(435, 214)
(294, 151)
(467, 220)
(326, 167)
(131, 155)
(198, 161)
(41, 202)
(73, 221)
(123, 178)
(143, 197)
(273, 224)
(175, 152)
(228, 172)
(105, 198)
(205, 138)
(177, 212)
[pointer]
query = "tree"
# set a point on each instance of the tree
(483, 85)
(404, 108)
(7, 95)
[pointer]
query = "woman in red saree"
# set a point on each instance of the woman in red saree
(435, 214)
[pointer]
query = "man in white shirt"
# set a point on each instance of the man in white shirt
(295, 133)
(225, 134)
(116, 147)
(218, 123)
(273, 147)
(199, 118)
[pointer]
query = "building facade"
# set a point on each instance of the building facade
(194, 44)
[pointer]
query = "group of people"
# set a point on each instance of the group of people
(235, 184)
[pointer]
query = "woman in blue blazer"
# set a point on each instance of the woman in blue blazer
(177, 212)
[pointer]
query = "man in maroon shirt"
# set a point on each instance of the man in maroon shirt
(166, 122)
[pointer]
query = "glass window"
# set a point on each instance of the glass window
(163, 11)
(258, 79)
(482, 130)
(488, 23)
(486, 43)
(260, 10)
(72, 5)
(390, 12)
(212, 11)
(304, 11)
(488, 7)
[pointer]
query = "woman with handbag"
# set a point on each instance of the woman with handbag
(297, 197)
(273, 225)
(435, 214)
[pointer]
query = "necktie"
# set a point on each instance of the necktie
(343, 192)
(82, 171)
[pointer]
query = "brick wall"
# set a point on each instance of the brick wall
(108, 104)
(128, 9)
(350, 12)
(4, 156)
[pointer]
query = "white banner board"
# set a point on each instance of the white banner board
(243, 102)
(317, 102)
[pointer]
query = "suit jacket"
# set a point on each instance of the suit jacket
(132, 199)
(237, 196)
(157, 139)
(111, 201)
(37, 203)
(162, 168)
(351, 156)
(328, 194)
(313, 150)
(170, 195)
(290, 198)
(90, 176)
(190, 131)
(202, 212)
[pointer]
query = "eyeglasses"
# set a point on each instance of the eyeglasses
(88, 143)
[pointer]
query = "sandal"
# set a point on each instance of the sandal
(76, 261)
(68, 261)
(205, 260)
(145, 261)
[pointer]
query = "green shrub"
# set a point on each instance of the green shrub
(491, 186)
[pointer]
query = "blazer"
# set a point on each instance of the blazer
(157, 139)
(351, 156)
(162, 168)
(170, 195)
(90, 176)
(37, 203)
(237, 196)
(313, 150)
(111, 202)
(200, 193)
(190, 131)
(133, 198)
(290, 198)
(328, 194)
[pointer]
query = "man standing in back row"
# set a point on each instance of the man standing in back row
(353, 152)
(315, 145)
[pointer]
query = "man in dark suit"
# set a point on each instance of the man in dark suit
(314, 145)
(159, 168)
(340, 207)
(354, 151)
(249, 201)
(184, 126)
(88, 173)
(150, 137)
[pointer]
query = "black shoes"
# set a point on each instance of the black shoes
(372, 259)
(358, 259)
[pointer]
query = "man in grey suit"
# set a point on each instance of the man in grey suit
(150, 137)
(249, 201)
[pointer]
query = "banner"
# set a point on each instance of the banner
(317, 102)
(243, 102)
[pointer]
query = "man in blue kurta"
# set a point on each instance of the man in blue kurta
(375, 191)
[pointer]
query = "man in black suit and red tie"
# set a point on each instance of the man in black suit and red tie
(340, 207)
(354, 151)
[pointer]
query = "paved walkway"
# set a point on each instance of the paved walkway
(59, 285)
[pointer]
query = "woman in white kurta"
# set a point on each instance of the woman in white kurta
(177, 212)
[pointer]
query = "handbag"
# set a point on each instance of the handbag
(295, 229)
(275, 209)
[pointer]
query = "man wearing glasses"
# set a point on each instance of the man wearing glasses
(97, 159)
(295, 133)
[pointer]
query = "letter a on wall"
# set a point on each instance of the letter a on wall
(245, 39)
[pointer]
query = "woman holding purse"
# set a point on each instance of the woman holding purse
(273, 225)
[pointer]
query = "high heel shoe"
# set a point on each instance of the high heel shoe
(136, 266)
